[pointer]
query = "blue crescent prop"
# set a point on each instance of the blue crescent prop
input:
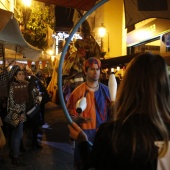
(63, 55)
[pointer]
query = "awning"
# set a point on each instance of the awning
(116, 61)
(76, 4)
(12, 38)
(124, 60)
(135, 10)
(139, 10)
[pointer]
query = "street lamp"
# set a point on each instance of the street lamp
(27, 2)
(102, 33)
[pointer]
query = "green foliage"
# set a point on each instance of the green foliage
(36, 25)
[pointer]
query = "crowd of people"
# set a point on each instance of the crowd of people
(22, 109)
(132, 132)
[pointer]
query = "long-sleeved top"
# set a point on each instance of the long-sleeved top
(18, 95)
(101, 155)
(97, 107)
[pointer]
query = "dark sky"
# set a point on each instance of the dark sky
(63, 18)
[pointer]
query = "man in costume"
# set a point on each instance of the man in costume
(97, 99)
(79, 51)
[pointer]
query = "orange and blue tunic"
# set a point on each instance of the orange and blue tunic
(97, 107)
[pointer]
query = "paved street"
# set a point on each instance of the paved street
(57, 151)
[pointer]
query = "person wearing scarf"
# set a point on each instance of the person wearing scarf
(18, 95)
(97, 98)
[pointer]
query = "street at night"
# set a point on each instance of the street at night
(57, 151)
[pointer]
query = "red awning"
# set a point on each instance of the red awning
(77, 4)
(135, 10)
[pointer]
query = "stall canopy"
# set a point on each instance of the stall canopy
(12, 38)
(77, 4)
(135, 10)
(116, 61)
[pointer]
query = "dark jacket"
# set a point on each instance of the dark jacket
(42, 89)
(33, 93)
(102, 157)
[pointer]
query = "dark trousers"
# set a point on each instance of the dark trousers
(42, 113)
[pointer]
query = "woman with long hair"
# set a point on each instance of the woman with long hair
(138, 135)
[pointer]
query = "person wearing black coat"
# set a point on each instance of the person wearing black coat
(40, 84)
(33, 122)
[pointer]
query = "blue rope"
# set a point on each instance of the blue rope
(63, 55)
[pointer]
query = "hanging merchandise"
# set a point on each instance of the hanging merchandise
(43, 64)
(29, 63)
(36, 64)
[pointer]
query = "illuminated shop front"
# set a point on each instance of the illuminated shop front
(154, 36)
